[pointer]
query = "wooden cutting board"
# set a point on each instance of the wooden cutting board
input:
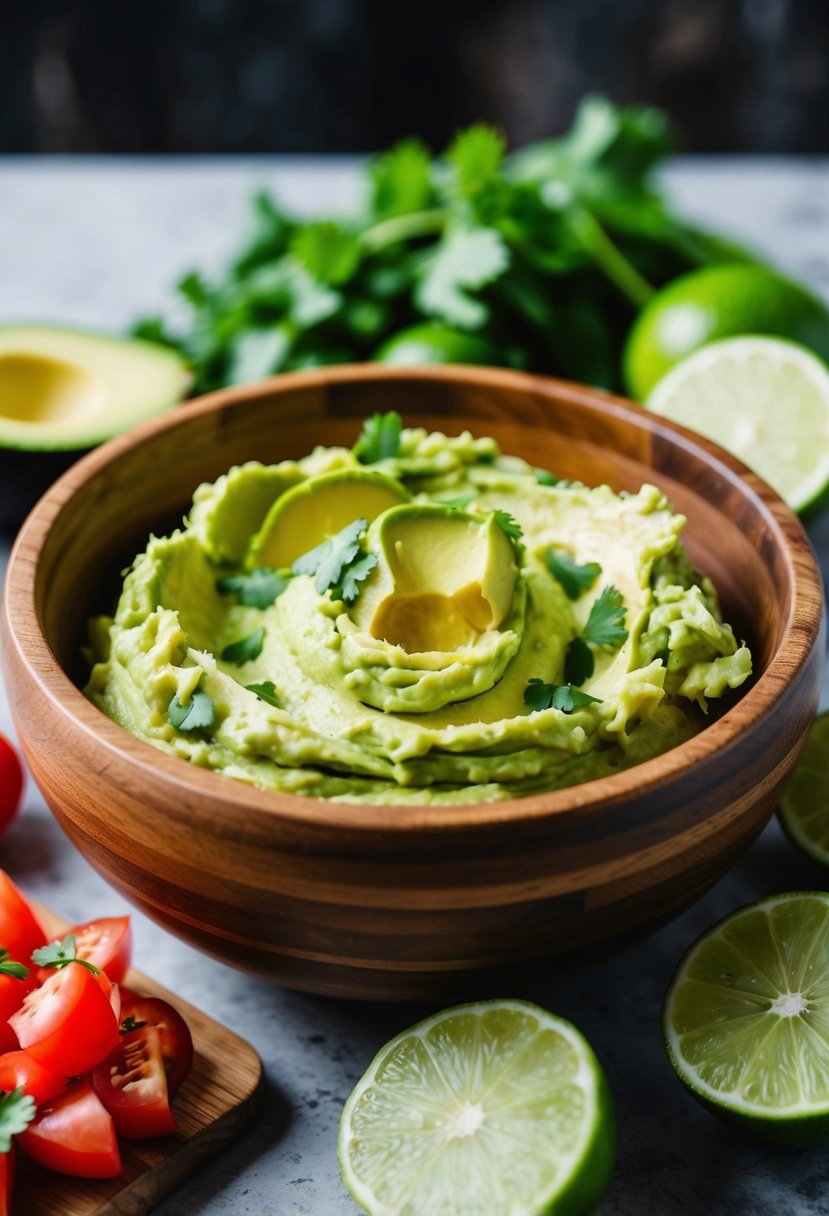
(220, 1099)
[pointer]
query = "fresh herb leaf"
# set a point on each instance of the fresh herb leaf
(544, 478)
(538, 695)
(196, 714)
(327, 251)
(347, 588)
(465, 260)
(17, 1109)
(460, 503)
(579, 663)
(328, 560)
(256, 590)
(60, 954)
(476, 155)
(245, 650)
(130, 1024)
(380, 438)
(401, 180)
(574, 578)
(508, 524)
(8, 967)
(266, 691)
(605, 625)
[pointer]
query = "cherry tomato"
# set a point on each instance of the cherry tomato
(13, 992)
(74, 1134)
(17, 1068)
(20, 931)
(107, 944)
(68, 1024)
(132, 1084)
(11, 784)
(176, 1041)
(6, 1183)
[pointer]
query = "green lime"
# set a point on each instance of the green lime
(746, 1018)
(429, 343)
(804, 809)
(716, 302)
(491, 1109)
(763, 399)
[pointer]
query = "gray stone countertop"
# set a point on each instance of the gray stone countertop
(96, 242)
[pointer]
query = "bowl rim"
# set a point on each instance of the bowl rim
(801, 629)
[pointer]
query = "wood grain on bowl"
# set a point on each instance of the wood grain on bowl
(409, 902)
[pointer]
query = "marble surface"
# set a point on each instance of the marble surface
(97, 242)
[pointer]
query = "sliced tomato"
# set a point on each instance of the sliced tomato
(176, 1041)
(13, 992)
(107, 944)
(74, 1134)
(20, 931)
(11, 784)
(18, 1068)
(68, 1024)
(6, 1182)
(132, 1084)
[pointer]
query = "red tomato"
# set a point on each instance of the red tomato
(11, 784)
(17, 1068)
(107, 944)
(6, 1183)
(74, 1135)
(132, 1084)
(68, 1025)
(20, 932)
(13, 992)
(176, 1041)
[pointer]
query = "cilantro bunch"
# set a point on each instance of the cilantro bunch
(544, 255)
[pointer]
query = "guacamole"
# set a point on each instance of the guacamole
(420, 619)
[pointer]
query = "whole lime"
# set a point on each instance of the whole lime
(430, 343)
(719, 301)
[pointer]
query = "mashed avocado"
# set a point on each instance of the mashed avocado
(432, 623)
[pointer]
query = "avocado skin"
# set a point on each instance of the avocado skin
(24, 477)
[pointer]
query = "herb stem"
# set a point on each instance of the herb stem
(403, 228)
(610, 259)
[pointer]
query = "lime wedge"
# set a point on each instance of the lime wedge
(746, 1018)
(763, 399)
(492, 1109)
(804, 808)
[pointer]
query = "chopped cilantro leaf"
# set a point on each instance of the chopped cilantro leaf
(244, 650)
(8, 967)
(328, 560)
(605, 625)
(546, 479)
(538, 695)
(574, 578)
(60, 954)
(579, 663)
(257, 590)
(17, 1109)
(266, 691)
(509, 524)
(195, 714)
(380, 438)
(347, 588)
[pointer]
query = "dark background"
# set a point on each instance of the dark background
(352, 75)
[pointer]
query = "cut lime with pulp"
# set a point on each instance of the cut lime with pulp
(491, 1109)
(804, 808)
(763, 399)
(746, 1018)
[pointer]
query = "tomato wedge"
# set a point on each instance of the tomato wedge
(6, 1182)
(68, 1025)
(13, 992)
(18, 1069)
(74, 1134)
(20, 931)
(132, 1084)
(176, 1041)
(107, 944)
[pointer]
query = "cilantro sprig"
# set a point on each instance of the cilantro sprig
(266, 691)
(604, 628)
(508, 524)
(380, 438)
(539, 695)
(59, 954)
(339, 565)
(17, 1110)
(259, 589)
(9, 967)
(198, 713)
(245, 650)
(574, 578)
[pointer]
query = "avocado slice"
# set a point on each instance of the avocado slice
(311, 512)
(62, 391)
(445, 577)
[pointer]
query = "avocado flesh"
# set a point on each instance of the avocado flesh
(63, 389)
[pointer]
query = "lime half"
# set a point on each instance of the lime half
(763, 399)
(492, 1109)
(746, 1018)
(804, 809)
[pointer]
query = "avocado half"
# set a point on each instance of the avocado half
(62, 392)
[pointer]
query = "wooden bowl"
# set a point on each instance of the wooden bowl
(403, 902)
